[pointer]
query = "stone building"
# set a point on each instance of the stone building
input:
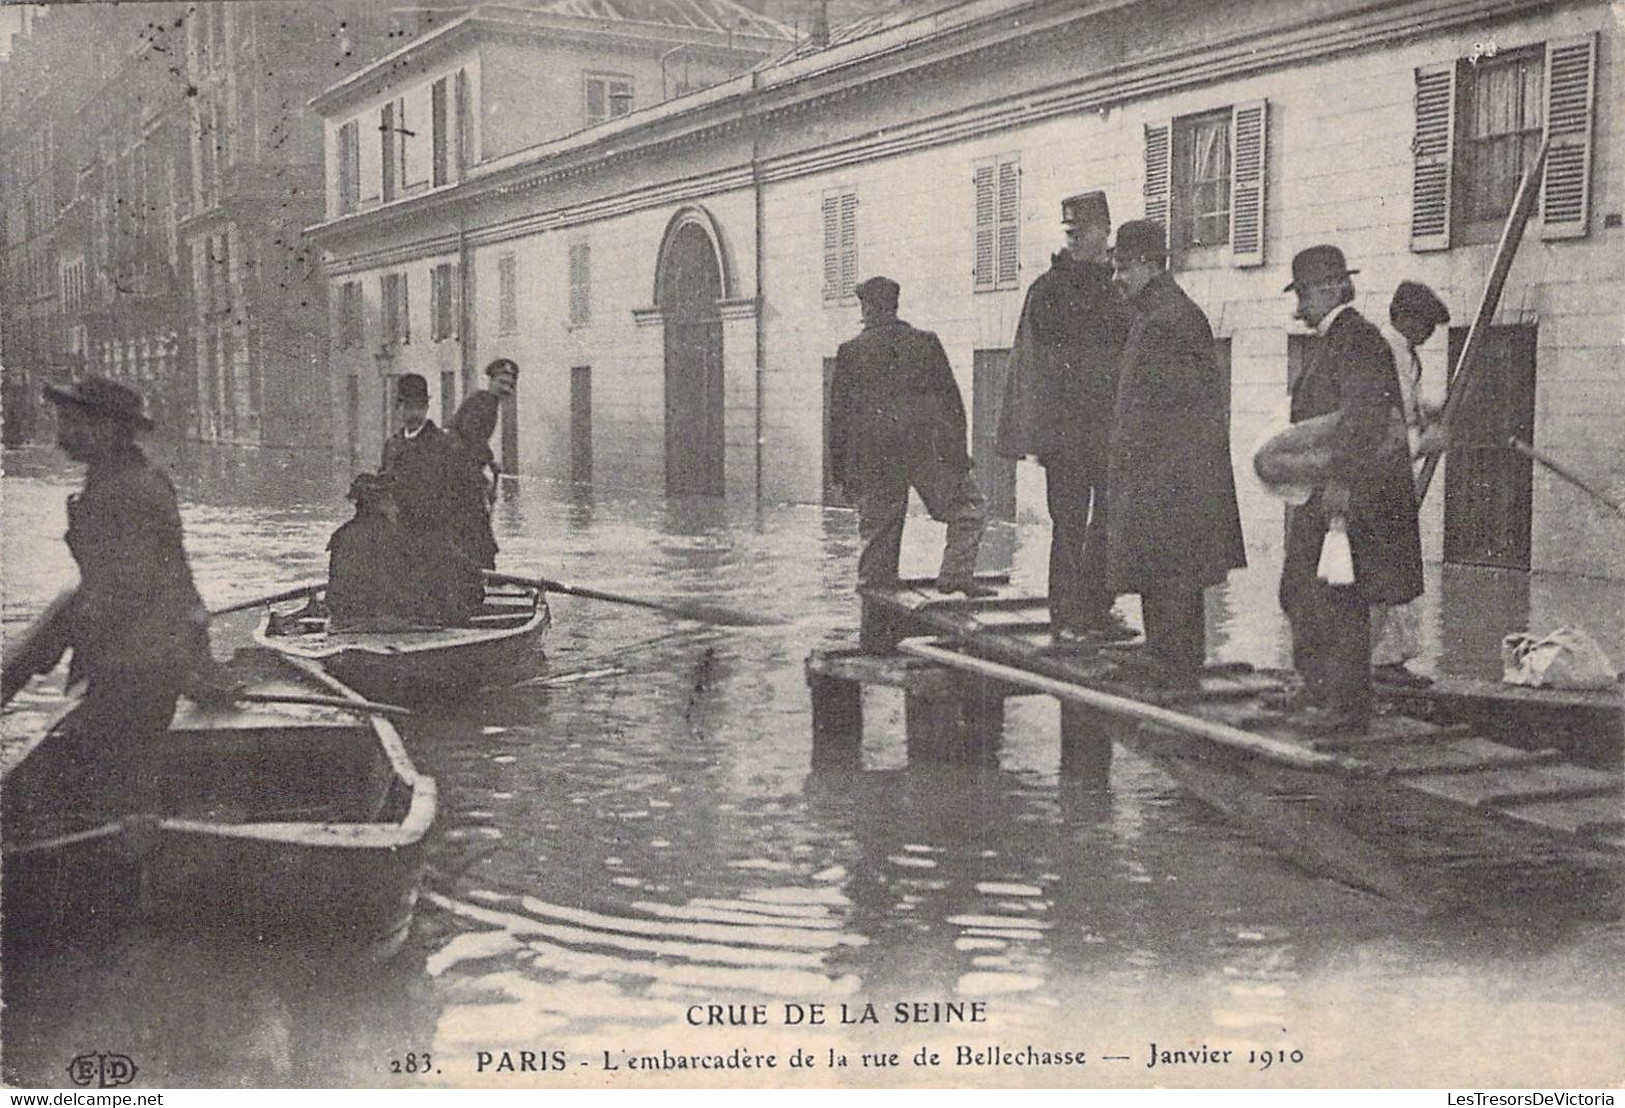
(676, 281)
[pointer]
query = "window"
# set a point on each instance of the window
(443, 300)
(840, 212)
(441, 149)
(464, 123)
(580, 284)
(397, 321)
(1479, 127)
(997, 185)
(507, 301)
(351, 332)
(387, 140)
(349, 161)
(1204, 181)
(607, 95)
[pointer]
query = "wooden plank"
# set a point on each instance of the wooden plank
(1460, 756)
(1467, 688)
(1506, 787)
(1599, 815)
(1395, 731)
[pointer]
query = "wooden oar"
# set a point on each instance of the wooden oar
(275, 598)
(706, 613)
(367, 707)
(37, 647)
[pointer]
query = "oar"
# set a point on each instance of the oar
(706, 613)
(367, 707)
(275, 598)
(37, 647)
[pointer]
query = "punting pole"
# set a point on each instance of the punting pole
(1224, 735)
(1536, 456)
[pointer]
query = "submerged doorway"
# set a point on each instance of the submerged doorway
(689, 287)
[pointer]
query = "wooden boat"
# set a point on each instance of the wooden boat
(417, 666)
(292, 825)
(1436, 815)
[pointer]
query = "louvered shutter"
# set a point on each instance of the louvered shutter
(462, 123)
(832, 247)
(1008, 269)
(983, 181)
(1571, 90)
(405, 285)
(1158, 163)
(849, 243)
(1249, 152)
(1433, 148)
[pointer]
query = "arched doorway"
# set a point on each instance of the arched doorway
(689, 286)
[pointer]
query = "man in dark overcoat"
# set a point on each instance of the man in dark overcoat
(897, 421)
(1370, 488)
(1173, 526)
(1058, 405)
(470, 429)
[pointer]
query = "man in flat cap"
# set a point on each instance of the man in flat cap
(1414, 313)
(1058, 405)
(1173, 527)
(136, 625)
(1369, 493)
(897, 421)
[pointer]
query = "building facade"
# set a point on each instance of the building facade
(680, 279)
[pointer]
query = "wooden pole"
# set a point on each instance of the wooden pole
(1536, 456)
(1463, 379)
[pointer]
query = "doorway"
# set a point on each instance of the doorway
(1489, 488)
(996, 475)
(690, 285)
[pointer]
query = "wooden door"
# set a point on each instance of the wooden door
(996, 475)
(690, 286)
(1488, 488)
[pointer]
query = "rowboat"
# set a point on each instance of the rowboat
(416, 666)
(1436, 815)
(291, 825)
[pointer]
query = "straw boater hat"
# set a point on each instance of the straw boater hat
(104, 399)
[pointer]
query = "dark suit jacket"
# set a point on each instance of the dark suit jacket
(1353, 373)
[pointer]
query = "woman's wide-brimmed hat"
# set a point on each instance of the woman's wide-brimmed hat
(104, 399)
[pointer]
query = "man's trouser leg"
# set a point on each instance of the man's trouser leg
(1066, 490)
(882, 508)
(1175, 629)
(1097, 598)
(1298, 569)
(108, 741)
(1396, 633)
(952, 496)
(1343, 617)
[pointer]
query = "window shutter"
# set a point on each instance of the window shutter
(386, 146)
(400, 139)
(463, 123)
(455, 278)
(1009, 250)
(405, 287)
(1571, 90)
(1433, 148)
(1249, 160)
(1158, 163)
(982, 181)
(832, 247)
(436, 295)
(849, 243)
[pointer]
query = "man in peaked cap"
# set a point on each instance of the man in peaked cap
(135, 623)
(897, 421)
(1173, 528)
(1414, 313)
(1058, 403)
(1369, 493)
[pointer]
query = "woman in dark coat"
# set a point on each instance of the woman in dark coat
(1173, 525)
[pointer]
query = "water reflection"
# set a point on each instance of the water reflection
(637, 829)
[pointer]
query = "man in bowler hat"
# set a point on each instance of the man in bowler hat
(1369, 491)
(1173, 527)
(897, 421)
(1058, 405)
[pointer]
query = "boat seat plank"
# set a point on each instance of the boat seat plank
(1504, 787)
(1600, 815)
(1461, 756)
(1397, 731)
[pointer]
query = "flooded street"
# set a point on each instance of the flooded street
(636, 830)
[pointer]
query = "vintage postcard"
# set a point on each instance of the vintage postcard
(812, 543)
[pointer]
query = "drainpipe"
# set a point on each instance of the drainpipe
(761, 274)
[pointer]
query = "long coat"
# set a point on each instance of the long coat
(1170, 489)
(1062, 382)
(1353, 373)
(894, 406)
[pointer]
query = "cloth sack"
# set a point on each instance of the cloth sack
(1294, 459)
(1568, 658)
(1336, 559)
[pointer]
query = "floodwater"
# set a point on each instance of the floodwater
(634, 840)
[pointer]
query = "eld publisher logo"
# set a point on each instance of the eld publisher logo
(105, 1071)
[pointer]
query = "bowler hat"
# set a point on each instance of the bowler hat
(1316, 265)
(1415, 298)
(1140, 239)
(879, 291)
(104, 398)
(1086, 209)
(367, 486)
(411, 386)
(502, 365)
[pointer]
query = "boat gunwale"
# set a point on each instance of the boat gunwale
(290, 646)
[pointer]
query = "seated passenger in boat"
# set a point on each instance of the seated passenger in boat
(371, 583)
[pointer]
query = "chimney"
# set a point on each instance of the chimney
(819, 35)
